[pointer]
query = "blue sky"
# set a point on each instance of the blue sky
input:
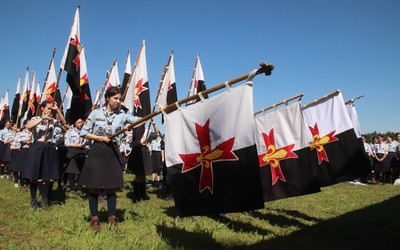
(317, 46)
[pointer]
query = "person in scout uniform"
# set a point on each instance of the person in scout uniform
(103, 166)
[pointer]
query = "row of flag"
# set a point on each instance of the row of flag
(222, 158)
(24, 105)
(77, 96)
(27, 99)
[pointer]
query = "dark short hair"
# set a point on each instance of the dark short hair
(112, 91)
(44, 103)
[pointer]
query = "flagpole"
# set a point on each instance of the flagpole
(37, 102)
(21, 96)
(66, 52)
(48, 70)
(18, 91)
(194, 72)
(25, 115)
(57, 87)
(65, 93)
(265, 68)
(162, 79)
(279, 103)
(133, 71)
(159, 90)
(105, 84)
(127, 57)
(4, 106)
(96, 97)
(336, 92)
(1, 106)
(47, 75)
(353, 99)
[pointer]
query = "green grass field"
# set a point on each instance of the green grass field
(342, 216)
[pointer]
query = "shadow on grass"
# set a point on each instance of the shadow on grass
(282, 220)
(190, 240)
(171, 212)
(161, 193)
(58, 196)
(373, 227)
(238, 226)
(131, 196)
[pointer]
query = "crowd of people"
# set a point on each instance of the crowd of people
(89, 158)
(87, 154)
(384, 158)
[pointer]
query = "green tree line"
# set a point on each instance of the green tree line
(371, 135)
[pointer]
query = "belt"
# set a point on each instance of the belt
(100, 142)
(136, 145)
(44, 142)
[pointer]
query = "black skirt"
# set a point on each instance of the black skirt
(139, 161)
(21, 159)
(102, 168)
(156, 163)
(13, 162)
(62, 158)
(76, 158)
(41, 162)
(5, 152)
(390, 161)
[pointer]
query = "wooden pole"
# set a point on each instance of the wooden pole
(47, 76)
(124, 84)
(127, 57)
(194, 73)
(103, 89)
(48, 70)
(265, 68)
(279, 103)
(22, 96)
(65, 93)
(159, 89)
(61, 67)
(58, 80)
(336, 92)
(162, 79)
(97, 94)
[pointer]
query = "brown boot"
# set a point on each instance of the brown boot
(95, 224)
(112, 221)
